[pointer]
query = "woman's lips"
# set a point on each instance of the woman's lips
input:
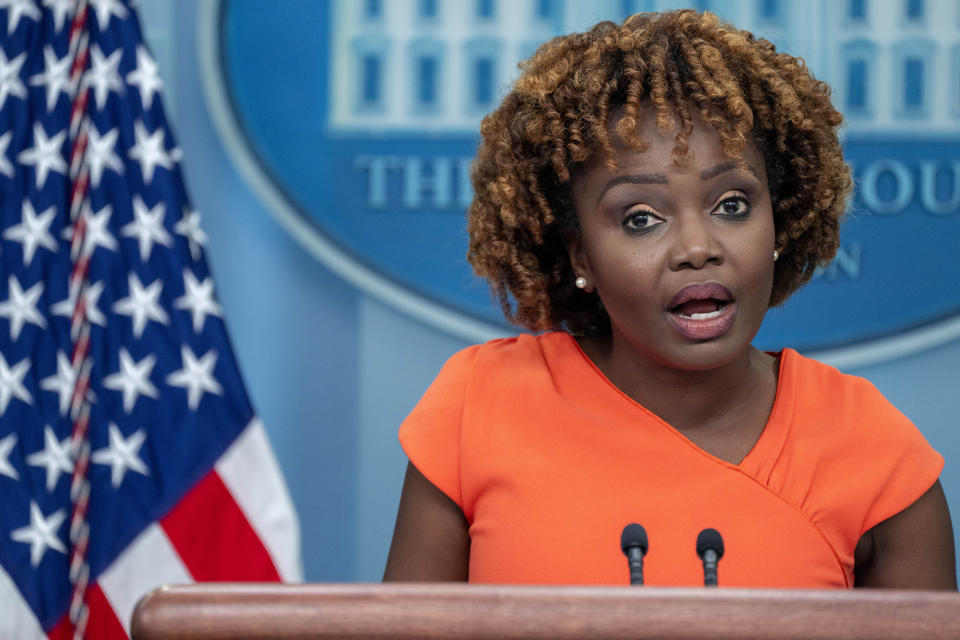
(702, 311)
(705, 291)
(705, 326)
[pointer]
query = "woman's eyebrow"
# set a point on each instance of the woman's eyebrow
(659, 178)
(723, 167)
(635, 178)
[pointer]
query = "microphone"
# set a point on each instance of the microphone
(633, 542)
(710, 550)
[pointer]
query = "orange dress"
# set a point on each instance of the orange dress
(549, 461)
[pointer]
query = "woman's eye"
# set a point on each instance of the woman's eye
(641, 220)
(734, 207)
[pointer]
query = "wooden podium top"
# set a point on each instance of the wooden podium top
(242, 611)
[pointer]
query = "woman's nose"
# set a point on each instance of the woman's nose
(694, 242)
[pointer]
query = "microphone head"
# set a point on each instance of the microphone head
(710, 539)
(634, 535)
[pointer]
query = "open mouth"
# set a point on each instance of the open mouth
(700, 309)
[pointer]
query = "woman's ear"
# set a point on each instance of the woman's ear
(583, 277)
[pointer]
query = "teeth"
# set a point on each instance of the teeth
(703, 316)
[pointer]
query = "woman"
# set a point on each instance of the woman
(643, 195)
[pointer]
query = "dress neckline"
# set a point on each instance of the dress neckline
(759, 459)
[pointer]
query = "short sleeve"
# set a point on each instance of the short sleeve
(881, 462)
(903, 462)
(430, 435)
(850, 459)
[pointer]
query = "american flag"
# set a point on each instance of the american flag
(130, 455)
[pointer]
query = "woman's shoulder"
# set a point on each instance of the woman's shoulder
(516, 350)
(837, 406)
(515, 362)
(823, 384)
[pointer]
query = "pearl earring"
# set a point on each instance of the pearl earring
(776, 254)
(581, 282)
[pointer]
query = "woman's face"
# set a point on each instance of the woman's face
(682, 257)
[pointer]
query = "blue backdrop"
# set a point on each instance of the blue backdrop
(333, 366)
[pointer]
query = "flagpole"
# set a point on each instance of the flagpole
(79, 323)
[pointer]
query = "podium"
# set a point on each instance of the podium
(488, 612)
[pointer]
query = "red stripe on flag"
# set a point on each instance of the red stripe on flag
(102, 623)
(63, 630)
(235, 555)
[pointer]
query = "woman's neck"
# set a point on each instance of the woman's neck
(699, 403)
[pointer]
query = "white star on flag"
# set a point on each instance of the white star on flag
(91, 297)
(56, 76)
(142, 304)
(97, 233)
(33, 231)
(147, 227)
(93, 200)
(133, 379)
(41, 534)
(145, 77)
(7, 444)
(149, 151)
(189, 227)
(103, 75)
(11, 383)
(55, 456)
(196, 376)
(60, 10)
(10, 82)
(62, 383)
(45, 154)
(101, 153)
(121, 455)
(17, 9)
(5, 167)
(106, 8)
(198, 298)
(20, 307)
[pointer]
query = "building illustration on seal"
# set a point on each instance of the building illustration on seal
(433, 65)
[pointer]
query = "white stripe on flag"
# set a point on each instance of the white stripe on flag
(149, 561)
(16, 617)
(250, 472)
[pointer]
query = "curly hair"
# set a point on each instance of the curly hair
(557, 118)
